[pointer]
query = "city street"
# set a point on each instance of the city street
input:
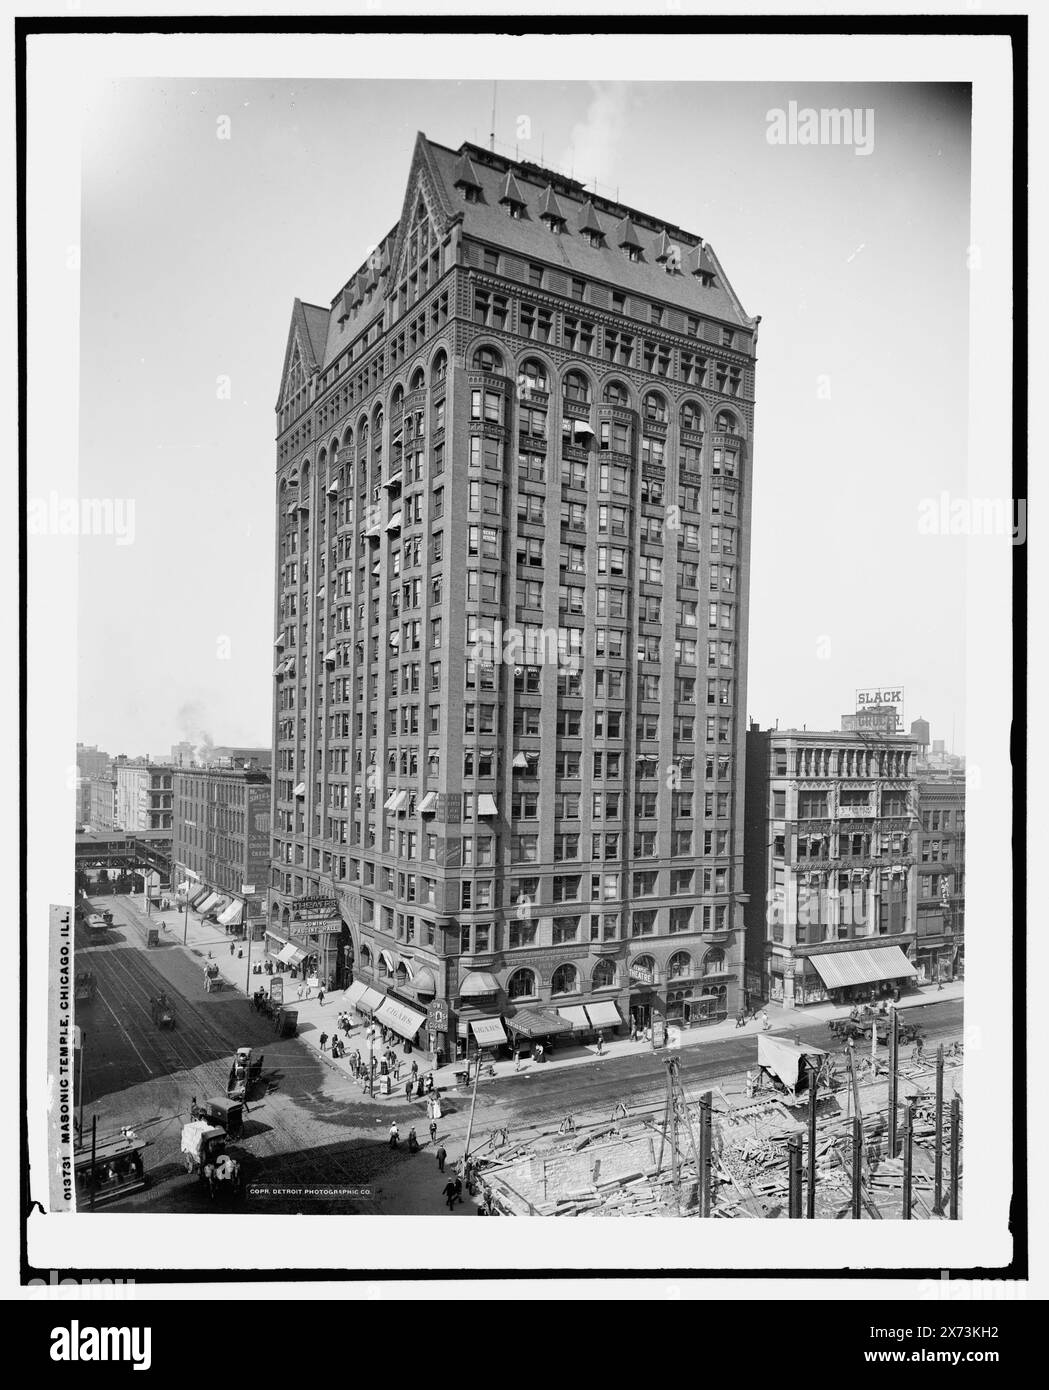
(309, 1123)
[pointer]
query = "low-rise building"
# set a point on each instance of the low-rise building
(221, 842)
(940, 951)
(830, 844)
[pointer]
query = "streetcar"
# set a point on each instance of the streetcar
(116, 1168)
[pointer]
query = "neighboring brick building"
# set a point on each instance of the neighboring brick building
(941, 874)
(144, 795)
(102, 814)
(528, 415)
(221, 842)
(831, 842)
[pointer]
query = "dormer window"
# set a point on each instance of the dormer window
(471, 194)
(632, 253)
(514, 210)
(511, 197)
(596, 240)
(553, 224)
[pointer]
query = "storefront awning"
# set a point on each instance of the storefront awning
(844, 968)
(478, 983)
(399, 1017)
(198, 897)
(488, 1031)
(207, 903)
(576, 1016)
(355, 993)
(538, 1023)
(370, 999)
(604, 1014)
(231, 916)
(291, 954)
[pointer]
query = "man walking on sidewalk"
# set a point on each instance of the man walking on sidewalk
(320, 996)
(442, 1154)
(449, 1193)
(433, 1131)
(408, 1090)
(324, 1041)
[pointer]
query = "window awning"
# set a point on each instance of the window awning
(478, 983)
(394, 523)
(208, 903)
(395, 801)
(330, 655)
(840, 969)
(538, 1023)
(424, 981)
(428, 803)
(231, 916)
(280, 641)
(300, 790)
(399, 1017)
(333, 486)
(604, 1014)
(581, 430)
(486, 805)
(488, 1031)
(293, 508)
(291, 954)
(355, 993)
(388, 958)
(576, 1016)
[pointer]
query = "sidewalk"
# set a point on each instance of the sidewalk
(315, 1018)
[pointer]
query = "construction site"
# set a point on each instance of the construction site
(807, 1135)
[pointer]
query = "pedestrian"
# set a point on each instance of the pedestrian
(517, 1060)
(397, 1070)
(441, 1156)
(320, 996)
(232, 948)
(301, 990)
(415, 1069)
(395, 1135)
(449, 1192)
(324, 1039)
(413, 1142)
(408, 1090)
(309, 991)
(433, 1131)
(741, 1019)
(765, 1024)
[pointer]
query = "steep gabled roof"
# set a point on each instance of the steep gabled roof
(664, 247)
(306, 335)
(626, 234)
(465, 173)
(588, 219)
(511, 192)
(548, 204)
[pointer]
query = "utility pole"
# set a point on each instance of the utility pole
(908, 1158)
(794, 1163)
(94, 1179)
(894, 1062)
(813, 1096)
(956, 1134)
(705, 1117)
(857, 1165)
(937, 1204)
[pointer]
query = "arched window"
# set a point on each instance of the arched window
(383, 968)
(643, 969)
(565, 980)
(604, 976)
(679, 966)
(521, 985)
(691, 418)
(714, 961)
(397, 399)
(486, 359)
(401, 973)
(418, 379)
(655, 407)
(615, 393)
(575, 387)
(532, 376)
(726, 423)
(440, 368)
(366, 958)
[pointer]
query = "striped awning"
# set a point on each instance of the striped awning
(231, 915)
(843, 968)
(207, 903)
(604, 1014)
(538, 1023)
(477, 983)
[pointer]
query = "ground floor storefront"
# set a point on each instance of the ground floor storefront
(857, 974)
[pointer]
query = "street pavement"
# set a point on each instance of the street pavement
(311, 1123)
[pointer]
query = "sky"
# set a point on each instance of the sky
(193, 249)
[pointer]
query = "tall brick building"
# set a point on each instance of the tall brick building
(513, 504)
